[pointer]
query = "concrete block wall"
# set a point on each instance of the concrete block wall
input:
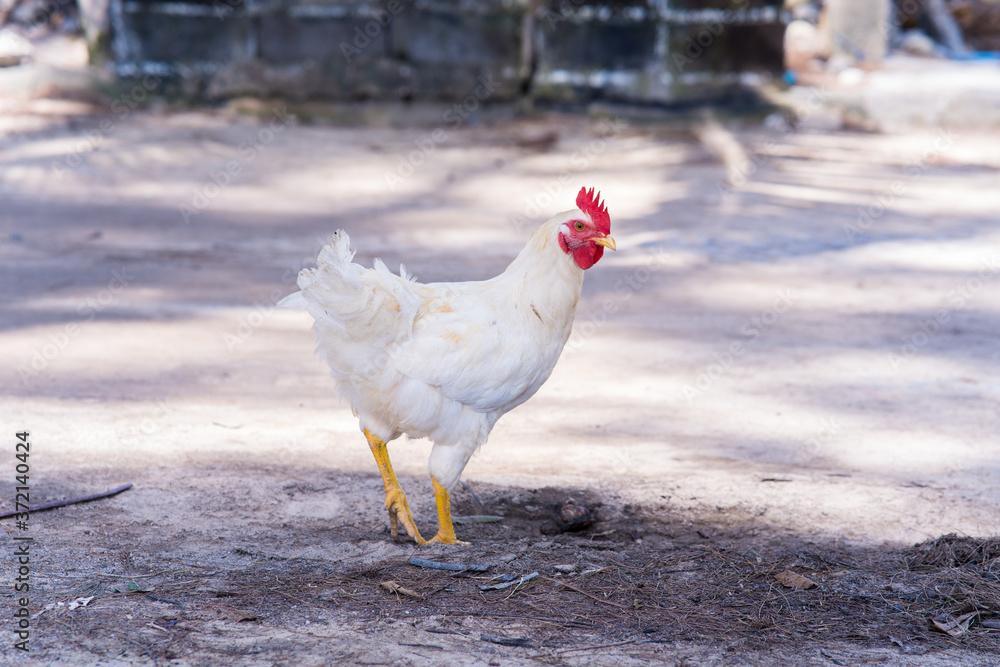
(665, 51)
(559, 50)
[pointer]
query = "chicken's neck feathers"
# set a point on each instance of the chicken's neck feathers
(543, 274)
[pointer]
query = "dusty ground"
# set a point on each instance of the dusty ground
(857, 416)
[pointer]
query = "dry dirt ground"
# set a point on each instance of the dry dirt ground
(789, 364)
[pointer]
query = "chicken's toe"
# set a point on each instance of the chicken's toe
(399, 513)
(448, 539)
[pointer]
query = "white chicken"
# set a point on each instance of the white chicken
(445, 361)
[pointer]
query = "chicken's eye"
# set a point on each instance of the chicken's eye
(579, 226)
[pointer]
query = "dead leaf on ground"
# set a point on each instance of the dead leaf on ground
(791, 580)
(133, 587)
(80, 602)
(394, 587)
(953, 626)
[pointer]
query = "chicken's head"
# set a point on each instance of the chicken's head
(586, 235)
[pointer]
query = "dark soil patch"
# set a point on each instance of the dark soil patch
(638, 576)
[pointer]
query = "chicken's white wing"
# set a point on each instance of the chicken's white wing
(484, 355)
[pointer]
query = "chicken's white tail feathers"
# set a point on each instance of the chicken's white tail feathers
(339, 251)
(335, 255)
(294, 300)
(360, 313)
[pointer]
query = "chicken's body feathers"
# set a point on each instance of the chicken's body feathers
(441, 360)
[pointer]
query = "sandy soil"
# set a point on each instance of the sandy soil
(798, 349)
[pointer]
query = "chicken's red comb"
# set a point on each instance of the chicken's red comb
(591, 204)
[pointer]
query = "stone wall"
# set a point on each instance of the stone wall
(563, 51)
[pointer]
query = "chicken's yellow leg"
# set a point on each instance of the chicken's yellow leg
(446, 531)
(395, 499)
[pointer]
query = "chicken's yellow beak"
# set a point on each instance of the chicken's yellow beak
(605, 241)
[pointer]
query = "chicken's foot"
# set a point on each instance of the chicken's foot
(395, 499)
(446, 531)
